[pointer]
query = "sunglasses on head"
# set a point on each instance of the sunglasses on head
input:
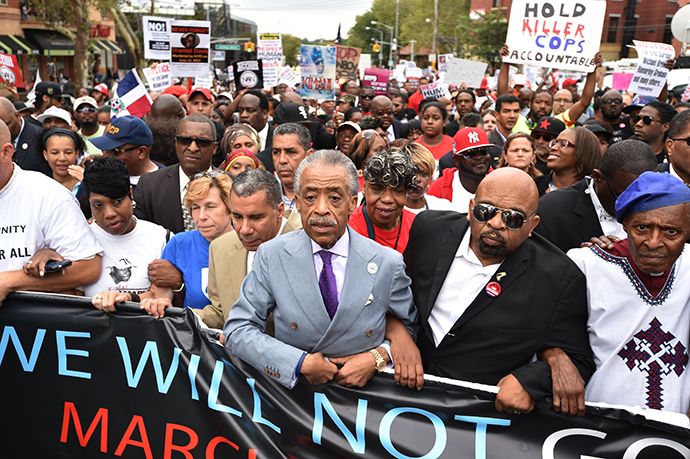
(647, 120)
(187, 141)
(512, 218)
(212, 174)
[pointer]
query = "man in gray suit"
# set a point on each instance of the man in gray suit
(329, 289)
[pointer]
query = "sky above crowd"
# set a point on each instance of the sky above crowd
(310, 19)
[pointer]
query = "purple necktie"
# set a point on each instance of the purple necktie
(329, 291)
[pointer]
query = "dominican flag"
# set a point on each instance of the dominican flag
(130, 98)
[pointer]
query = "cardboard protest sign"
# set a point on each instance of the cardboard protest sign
(561, 34)
(190, 43)
(347, 62)
(156, 38)
(10, 71)
(269, 49)
(377, 79)
(443, 62)
(621, 81)
(318, 72)
(288, 76)
(248, 74)
(435, 90)
(650, 75)
(158, 76)
(464, 71)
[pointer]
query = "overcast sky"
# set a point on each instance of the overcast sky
(311, 19)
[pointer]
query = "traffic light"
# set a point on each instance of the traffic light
(249, 47)
(377, 48)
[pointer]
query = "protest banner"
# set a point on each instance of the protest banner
(128, 385)
(465, 71)
(205, 82)
(318, 72)
(364, 63)
(650, 75)
(190, 43)
(288, 76)
(435, 90)
(347, 62)
(269, 48)
(377, 79)
(156, 38)
(248, 74)
(10, 72)
(561, 34)
(621, 81)
(444, 61)
(158, 76)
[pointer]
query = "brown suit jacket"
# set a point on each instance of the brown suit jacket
(227, 262)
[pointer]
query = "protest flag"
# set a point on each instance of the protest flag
(31, 96)
(338, 40)
(131, 97)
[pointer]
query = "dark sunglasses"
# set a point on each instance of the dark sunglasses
(686, 140)
(187, 141)
(118, 151)
(647, 120)
(471, 153)
(212, 174)
(612, 101)
(87, 110)
(546, 137)
(485, 212)
(382, 113)
(366, 96)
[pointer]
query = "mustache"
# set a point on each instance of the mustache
(657, 253)
(321, 221)
(495, 234)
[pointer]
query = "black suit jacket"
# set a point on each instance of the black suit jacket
(266, 155)
(158, 198)
(398, 129)
(542, 304)
(29, 152)
(568, 217)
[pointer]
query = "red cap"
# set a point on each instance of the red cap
(204, 91)
(176, 90)
(485, 84)
(469, 138)
(570, 81)
(101, 88)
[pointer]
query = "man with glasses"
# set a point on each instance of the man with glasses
(544, 132)
(472, 158)
(678, 148)
(366, 96)
(129, 139)
(382, 110)
(587, 209)
(86, 113)
(611, 109)
(651, 126)
(489, 301)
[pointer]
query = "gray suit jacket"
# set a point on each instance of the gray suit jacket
(283, 281)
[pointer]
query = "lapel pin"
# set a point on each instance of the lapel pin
(372, 268)
(25, 146)
(493, 289)
(500, 275)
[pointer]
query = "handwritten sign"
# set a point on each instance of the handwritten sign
(464, 71)
(347, 62)
(650, 75)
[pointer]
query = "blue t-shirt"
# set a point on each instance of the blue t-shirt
(188, 252)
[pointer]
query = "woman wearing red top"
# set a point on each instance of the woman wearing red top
(434, 116)
(388, 176)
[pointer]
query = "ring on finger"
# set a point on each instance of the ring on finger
(516, 412)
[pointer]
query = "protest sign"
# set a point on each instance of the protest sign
(127, 385)
(465, 71)
(399, 73)
(444, 61)
(377, 79)
(205, 82)
(621, 81)
(364, 63)
(347, 62)
(288, 76)
(248, 74)
(650, 75)
(218, 56)
(435, 90)
(156, 38)
(269, 49)
(158, 76)
(318, 72)
(190, 43)
(561, 34)
(10, 71)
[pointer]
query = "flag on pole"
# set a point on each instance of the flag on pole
(31, 96)
(338, 40)
(131, 97)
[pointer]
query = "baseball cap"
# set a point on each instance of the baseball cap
(292, 112)
(485, 84)
(54, 112)
(639, 102)
(549, 125)
(204, 91)
(102, 88)
(176, 90)
(85, 100)
(569, 81)
(122, 130)
(347, 98)
(354, 126)
(520, 80)
(49, 88)
(226, 94)
(469, 138)
(596, 129)
(22, 107)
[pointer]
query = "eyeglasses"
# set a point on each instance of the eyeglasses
(212, 174)
(647, 120)
(382, 113)
(512, 218)
(187, 141)
(87, 109)
(118, 151)
(346, 135)
(612, 101)
(615, 195)
(472, 152)
(561, 143)
(558, 101)
(539, 135)
(686, 140)
(366, 96)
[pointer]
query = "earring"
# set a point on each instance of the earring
(134, 204)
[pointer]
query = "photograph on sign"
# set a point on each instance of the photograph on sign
(190, 43)
(318, 72)
(156, 38)
(443, 62)
(651, 73)
(248, 74)
(558, 34)
(465, 71)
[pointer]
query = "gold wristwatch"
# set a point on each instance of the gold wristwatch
(380, 363)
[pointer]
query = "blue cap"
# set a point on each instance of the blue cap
(122, 130)
(639, 102)
(651, 190)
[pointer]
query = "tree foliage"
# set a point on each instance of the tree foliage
(483, 37)
(291, 49)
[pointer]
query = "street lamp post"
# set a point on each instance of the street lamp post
(380, 41)
(390, 49)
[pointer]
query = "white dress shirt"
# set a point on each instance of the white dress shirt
(252, 253)
(263, 134)
(608, 222)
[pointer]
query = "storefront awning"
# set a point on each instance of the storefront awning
(106, 46)
(50, 42)
(13, 44)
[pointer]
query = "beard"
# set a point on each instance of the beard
(494, 251)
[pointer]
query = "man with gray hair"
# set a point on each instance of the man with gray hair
(291, 144)
(329, 289)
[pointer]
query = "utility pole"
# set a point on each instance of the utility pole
(397, 16)
(433, 46)
(412, 42)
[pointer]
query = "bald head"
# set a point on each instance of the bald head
(167, 106)
(4, 133)
(291, 97)
(510, 182)
(382, 109)
(11, 117)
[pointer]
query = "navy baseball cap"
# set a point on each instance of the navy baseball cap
(122, 130)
